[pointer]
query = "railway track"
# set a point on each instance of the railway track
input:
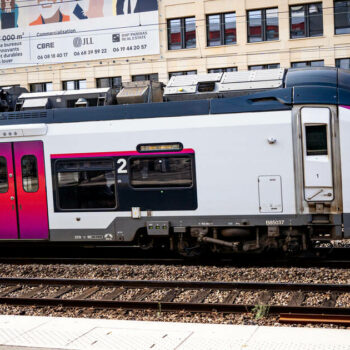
(191, 296)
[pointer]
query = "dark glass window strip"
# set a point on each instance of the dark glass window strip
(30, 179)
(161, 172)
(316, 140)
(264, 66)
(74, 84)
(221, 29)
(342, 17)
(181, 33)
(343, 63)
(188, 72)
(263, 25)
(41, 87)
(318, 63)
(142, 77)
(306, 20)
(86, 184)
(222, 70)
(112, 82)
(4, 185)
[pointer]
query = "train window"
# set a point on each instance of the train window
(86, 184)
(316, 140)
(30, 180)
(4, 185)
(88, 164)
(161, 172)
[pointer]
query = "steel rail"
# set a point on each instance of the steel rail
(277, 286)
(171, 306)
(314, 318)
(196, 304)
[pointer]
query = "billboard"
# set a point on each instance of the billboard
(56, 31)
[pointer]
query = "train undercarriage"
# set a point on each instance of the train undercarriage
(195, 241)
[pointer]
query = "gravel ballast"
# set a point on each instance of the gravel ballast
(178, 272)
(185, 273)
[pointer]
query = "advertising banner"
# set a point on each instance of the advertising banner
(56, 31)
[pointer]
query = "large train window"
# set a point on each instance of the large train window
(86, 184)
(161, 172)
(316, 140)
(4, 185)
(30, 180)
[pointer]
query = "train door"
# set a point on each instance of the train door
(317, 154)
(317, 160)
(23, 204)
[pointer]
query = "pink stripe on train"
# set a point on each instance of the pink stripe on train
(116, 154)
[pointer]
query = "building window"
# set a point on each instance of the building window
(74, 84)
(264, 66)
(86, 184)
(112, 82)
(222, 70)
(161, 172)
(263, 25)
(41, 87)
(343, 63)
(306, 20)
(181, 33)
(221, 29)
(342, 17)
(187, 72)
(319, 63)
(142, 77)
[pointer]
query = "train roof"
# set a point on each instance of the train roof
(321, 85)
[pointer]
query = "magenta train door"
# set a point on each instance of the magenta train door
(8, 210)
(26, 215)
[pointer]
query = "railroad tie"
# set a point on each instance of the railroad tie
(264, 297)
(200, 296)
(142, 294)
(114, 294)
(33, 292)
(231, 297)
(59, 293)
(170, 295)
(296, 299)
(87, 293)
(332, 301)
(9, 290)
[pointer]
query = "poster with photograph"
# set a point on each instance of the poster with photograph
(56, 31)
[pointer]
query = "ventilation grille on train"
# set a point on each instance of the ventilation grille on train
(23, 115)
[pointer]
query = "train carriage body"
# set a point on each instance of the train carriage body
(269, 169)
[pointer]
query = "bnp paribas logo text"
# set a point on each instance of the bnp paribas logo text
(79, 42)
(116, 38)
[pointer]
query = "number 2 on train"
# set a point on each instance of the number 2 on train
(122, 166)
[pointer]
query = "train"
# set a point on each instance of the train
(236, 162)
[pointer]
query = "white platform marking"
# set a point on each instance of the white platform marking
(23, 332)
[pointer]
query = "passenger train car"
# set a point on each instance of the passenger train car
(244, 162)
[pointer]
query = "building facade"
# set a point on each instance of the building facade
(201, 36)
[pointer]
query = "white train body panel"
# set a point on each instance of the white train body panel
(231, 152)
